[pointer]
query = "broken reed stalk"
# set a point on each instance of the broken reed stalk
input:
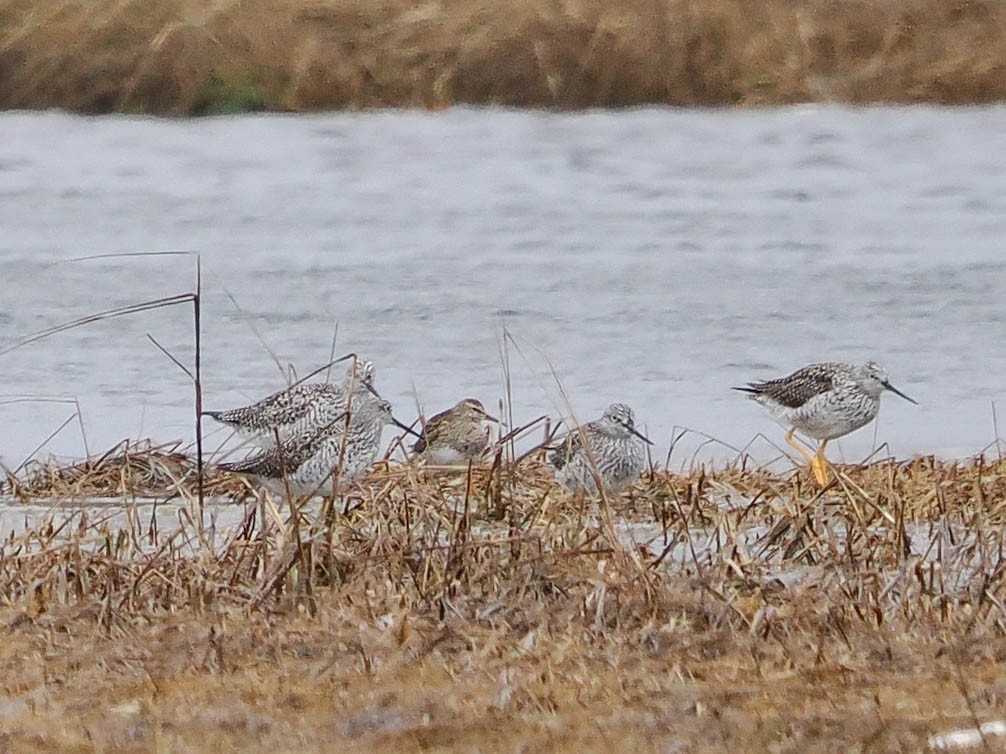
(52, 399)
(331, 352)
(197, 324)
(184, 298)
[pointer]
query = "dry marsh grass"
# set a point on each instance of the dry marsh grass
(128, 470)
(488, 610)
(190, 57)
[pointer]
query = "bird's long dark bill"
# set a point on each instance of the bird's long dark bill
(894, 390)
(640, 435)
(406, 427)
(490, 418)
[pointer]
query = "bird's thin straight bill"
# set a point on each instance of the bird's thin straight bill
(640, 435)
(897, 392)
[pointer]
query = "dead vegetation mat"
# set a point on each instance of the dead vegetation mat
(487, 610)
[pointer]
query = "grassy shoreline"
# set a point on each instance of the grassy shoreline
(448, 612)
(184, 57)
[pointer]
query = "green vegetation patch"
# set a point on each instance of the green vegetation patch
(227, 92)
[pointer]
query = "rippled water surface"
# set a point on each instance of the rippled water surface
(655, 257)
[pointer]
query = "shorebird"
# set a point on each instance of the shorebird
(824, 401)
(456, 435)
(299, 410)
(309, 462)
(610, 446)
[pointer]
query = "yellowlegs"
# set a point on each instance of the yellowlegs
(824, 401)
(308, 462)
(610, 447)
(455, 435)
(298, 410)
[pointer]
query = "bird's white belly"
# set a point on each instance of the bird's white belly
(445, 456)
(822, 419)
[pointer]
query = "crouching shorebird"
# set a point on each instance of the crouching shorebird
(610, 446)
(309, 462)
(456, 435)
(824, 401)
(299, 410)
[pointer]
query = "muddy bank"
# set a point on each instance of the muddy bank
(187, 57)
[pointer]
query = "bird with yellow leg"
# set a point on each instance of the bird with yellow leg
(824, 401)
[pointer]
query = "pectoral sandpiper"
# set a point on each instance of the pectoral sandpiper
(456, 435)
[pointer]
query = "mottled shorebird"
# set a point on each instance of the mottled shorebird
(824, 401)
(610, 446)
(456, 435)
(299, 410)
(309, 462)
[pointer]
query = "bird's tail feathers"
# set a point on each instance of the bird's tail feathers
(244, 466)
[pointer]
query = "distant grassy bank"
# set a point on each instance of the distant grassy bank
(206, 56)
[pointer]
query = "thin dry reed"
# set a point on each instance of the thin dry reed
(189, 56)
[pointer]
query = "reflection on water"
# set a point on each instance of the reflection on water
(655, 257)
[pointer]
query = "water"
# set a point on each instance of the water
(655, 257)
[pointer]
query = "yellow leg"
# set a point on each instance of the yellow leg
(820, 465)
(817, 463)
(799, 448)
